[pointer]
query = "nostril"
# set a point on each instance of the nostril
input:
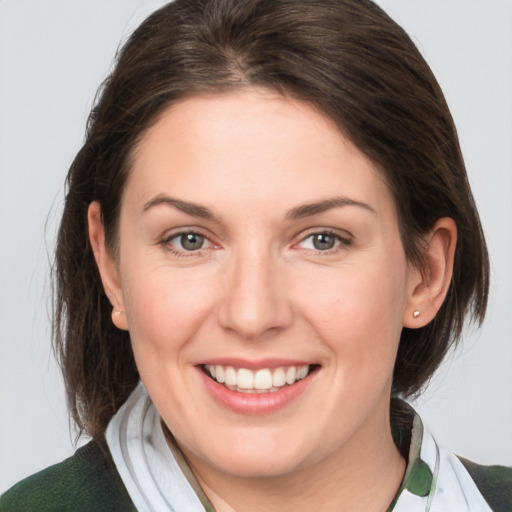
(254, 302)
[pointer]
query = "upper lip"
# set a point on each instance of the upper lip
(255, 364)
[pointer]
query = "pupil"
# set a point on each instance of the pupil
(323, 241)
(192, 241)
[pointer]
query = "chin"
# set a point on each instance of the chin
(263, 467)
(258, 455)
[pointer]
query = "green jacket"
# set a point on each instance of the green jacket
(86, 482)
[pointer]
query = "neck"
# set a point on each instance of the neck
(340, 482)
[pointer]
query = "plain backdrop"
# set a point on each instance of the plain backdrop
(54, 54)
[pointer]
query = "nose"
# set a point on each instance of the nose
(255, 301)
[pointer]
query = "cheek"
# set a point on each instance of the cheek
(165, 309)
(357, 309)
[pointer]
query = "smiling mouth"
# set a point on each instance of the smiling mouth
(264, 380)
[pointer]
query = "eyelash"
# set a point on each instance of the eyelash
(183, 253)
(342, 242)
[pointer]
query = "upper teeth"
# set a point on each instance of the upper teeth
(264, 379)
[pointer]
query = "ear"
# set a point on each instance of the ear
(429, 284)
(106, 265)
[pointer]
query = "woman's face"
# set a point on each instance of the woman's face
(259, 245)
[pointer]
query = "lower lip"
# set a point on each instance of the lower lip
(255, 403)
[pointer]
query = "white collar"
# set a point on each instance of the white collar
(149, 470)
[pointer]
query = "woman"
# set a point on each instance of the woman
(267, 233)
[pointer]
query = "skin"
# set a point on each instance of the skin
(259, 289)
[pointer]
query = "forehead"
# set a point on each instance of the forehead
(247, 146)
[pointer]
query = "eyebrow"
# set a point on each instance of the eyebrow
(299, 212)
(307, 210)
(193, 209)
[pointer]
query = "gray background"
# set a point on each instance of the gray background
(53, 55)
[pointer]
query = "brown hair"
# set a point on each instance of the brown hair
(346, 57)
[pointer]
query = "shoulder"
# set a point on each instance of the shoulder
(87, 481)
(493, 482)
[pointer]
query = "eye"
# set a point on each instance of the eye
(191, 241)
(323, 241)
(187, 242)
